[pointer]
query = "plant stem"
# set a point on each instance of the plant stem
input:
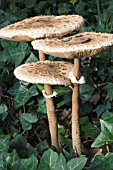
(98, 12)
(53, 125)
(75, 112)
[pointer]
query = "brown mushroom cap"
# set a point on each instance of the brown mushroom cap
(41, 27)
(84, 44)
(45, 72)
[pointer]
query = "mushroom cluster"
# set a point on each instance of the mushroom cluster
(47, 35)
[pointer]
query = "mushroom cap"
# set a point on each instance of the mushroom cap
(41, 27)
(45, 72)
(84, 44)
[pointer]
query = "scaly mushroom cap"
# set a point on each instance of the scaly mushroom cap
(84, 44)
(41, 27)
(45, 72)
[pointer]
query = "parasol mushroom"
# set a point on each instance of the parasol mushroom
(46, 72)
(84, 44)
(42, 27)
(76, 46)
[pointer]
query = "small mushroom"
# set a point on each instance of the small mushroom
(76, 46)
(47, 72)
(41, 27)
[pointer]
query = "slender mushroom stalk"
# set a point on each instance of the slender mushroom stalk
(75, 112)
(52, 119)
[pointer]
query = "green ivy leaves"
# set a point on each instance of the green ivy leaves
(22, 94)
(27, 120)
(51, 161)
(109, 89)
(12, 161)
(86, 91)
(48, 160)
(3, 111)
(4, 143)
(18, 54)
(106, 134)
(30, 163)
(88, 129)
(102, 162)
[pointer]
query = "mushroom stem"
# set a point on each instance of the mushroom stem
(75, 112)
(53, 125)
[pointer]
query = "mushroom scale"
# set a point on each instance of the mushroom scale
(41, 27)
(45, 72)
(80, 45)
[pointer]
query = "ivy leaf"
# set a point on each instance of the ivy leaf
(109, 89)
(107, 116)
(4, 55)
(106, 134)
(14, 89)
(31, 58)
(18, 54)
(3, 111)
(107, 129)
(67, 155)
(110, 70)
(102, 162)
(30, 163)
(4, 143)
(88, 129)
(100, 140)
(86, 91)
(76, 163)
(61, 163)
(64, 8)
(102, 108)
(27, 120)
(48, 160)
(23, 94)
(19, 143)
(3, 163)
(42, 146)
(8, 44)
(13, 161)
(42, 105)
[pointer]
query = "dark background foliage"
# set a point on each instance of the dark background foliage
(24, 132)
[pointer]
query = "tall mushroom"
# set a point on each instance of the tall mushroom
(46, 72)
(77, 46)
(42, 27)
